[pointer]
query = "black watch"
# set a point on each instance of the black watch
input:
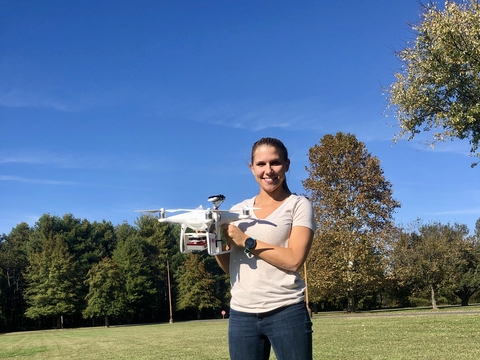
(250, 244)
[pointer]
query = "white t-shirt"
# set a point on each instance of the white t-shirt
(258, 286)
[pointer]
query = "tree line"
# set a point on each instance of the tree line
(66, 271)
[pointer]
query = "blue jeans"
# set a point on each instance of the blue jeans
(287, 330)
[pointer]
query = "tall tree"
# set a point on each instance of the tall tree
(86, 242)
(106, 296)
(439, 85)
(353, 207)
(134, 267)
(2, 299)
(13, 262)
(196, 286)
(103, 236)
(159, 241)
(53, 283)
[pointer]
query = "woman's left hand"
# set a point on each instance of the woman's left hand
(234, 236)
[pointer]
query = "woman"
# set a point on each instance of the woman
(267, 308)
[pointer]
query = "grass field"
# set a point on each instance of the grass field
(427, 334)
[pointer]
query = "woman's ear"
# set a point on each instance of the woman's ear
(251, 168)
(287, 167)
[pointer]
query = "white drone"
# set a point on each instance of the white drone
(206, 224)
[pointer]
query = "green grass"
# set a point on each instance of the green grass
(387, 335)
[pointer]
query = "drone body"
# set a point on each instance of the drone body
(205, 223)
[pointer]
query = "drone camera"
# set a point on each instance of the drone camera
(216, 200)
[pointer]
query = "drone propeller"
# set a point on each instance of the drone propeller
(162, 210)
(150, 211)
(245, 208)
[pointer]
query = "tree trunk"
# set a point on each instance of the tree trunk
(434, 300)
(351, 306)
(60, 322)
(464, 296)
(106, 322)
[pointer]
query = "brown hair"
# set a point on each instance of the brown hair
(281, 149)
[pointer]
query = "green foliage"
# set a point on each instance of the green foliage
(353, 206)
(431, 257)
(53, 284)
(439, 85)
(106, 296)
(45, 265)
(160, 243)
(13, 262)
(134, 268)
(2, 297)
(466, 280)
(196, 286)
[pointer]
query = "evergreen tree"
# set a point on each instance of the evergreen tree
(106, 296)
(196, 287)
(135, 270)
(157, 239)
(13, 262)
(103, 236)
(2, 299)
(53, 284)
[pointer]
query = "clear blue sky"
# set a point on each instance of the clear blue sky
(107, 107)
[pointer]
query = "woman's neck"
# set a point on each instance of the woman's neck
(277, 196)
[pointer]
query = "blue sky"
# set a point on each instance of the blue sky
(107, 107)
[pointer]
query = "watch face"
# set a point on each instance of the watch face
(250, 243)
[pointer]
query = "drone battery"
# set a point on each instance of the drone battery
(195, 242)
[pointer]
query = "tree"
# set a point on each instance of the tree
(467, 273)
(2, 297)
(160, 243)
(135, 270)
(13, 262)
(430, 257)
(103, 236)
(53, 284)
(88, 243)
(439, 85)
(353, 207)
(476, 232)
(196, 286)
(106, 296)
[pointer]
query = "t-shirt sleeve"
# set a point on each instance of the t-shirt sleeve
(304, 214)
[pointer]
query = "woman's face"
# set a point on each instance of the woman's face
(269, 168)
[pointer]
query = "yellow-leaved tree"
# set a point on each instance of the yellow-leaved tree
(353, 208)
